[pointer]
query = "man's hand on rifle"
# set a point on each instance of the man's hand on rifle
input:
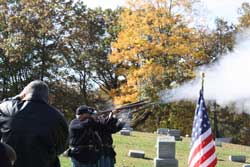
(111, 114)
(115, 111)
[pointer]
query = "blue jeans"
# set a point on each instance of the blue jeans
(106, 161)
(76, 163)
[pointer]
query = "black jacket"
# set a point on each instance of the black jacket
(84, 140)
(37, 131)
(88, 138)
(113, 126)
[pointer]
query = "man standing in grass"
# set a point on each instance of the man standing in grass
(85, 144)
(37, 131)
(108, 153)
(90, 139)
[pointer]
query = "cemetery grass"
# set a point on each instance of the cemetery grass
(147, 141)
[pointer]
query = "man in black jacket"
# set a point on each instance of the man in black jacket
(90, 139)
(37, 131)
(113, 125)
(84, 140)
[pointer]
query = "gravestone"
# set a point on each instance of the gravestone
(166, 147)
(125, 132)
(162, 131)
(224, 139)
(158, 162)
(176, 133)
(170, 132)
(218, 143)
(246, 165)
(165, 152)
(237, 158)
(136, 153)
(124, 115)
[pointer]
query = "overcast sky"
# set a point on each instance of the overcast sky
(226, 9)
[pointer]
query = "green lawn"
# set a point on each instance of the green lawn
(147, 141)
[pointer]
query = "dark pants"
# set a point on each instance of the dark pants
(76, 163)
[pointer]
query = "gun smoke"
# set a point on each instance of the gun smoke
(226, 81)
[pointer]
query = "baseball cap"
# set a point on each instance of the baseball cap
(84, 109)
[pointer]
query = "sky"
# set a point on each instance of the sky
(226, 9)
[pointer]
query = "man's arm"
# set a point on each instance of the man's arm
(7, 107)
(61, 136)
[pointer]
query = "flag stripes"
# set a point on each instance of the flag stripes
(202, 153)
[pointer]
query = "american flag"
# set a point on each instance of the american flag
(202, 153)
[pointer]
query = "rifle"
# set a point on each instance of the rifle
(126, 106)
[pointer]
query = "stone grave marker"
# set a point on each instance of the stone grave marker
(165, 152)
(125, 132)
(237, 158)
(136, 153)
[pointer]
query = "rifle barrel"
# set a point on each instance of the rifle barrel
(127, 106)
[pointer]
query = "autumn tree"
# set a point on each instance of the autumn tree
(155, 49)
(244, 19)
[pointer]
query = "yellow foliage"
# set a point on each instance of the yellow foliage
(127, 94)
(244, 19)
(150, 38)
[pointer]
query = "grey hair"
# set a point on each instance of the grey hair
(36, 90)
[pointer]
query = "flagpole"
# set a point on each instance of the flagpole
(202, 152)
(202, 81)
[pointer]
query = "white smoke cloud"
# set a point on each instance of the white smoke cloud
(228, 80)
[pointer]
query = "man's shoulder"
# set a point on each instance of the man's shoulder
(9, 105)
(10, 100)
(73, 121)
(83, 123)
(55, 110)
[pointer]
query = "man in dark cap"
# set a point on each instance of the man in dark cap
(85, 141)
(37, 131)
